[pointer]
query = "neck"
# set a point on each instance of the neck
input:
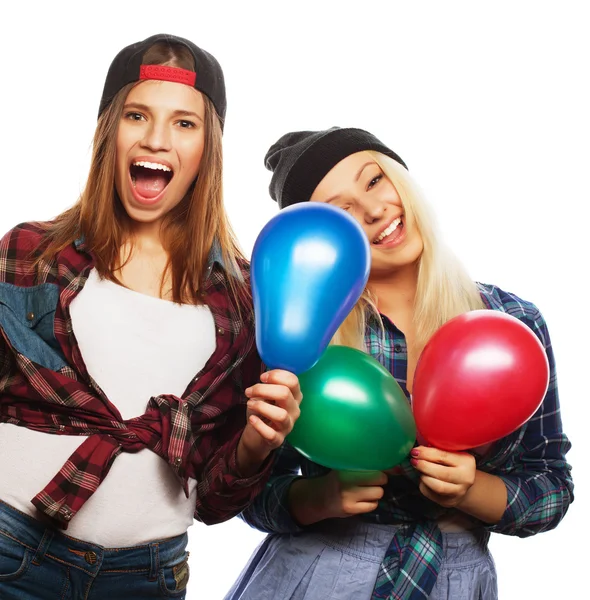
(146, 237)
(396, 291)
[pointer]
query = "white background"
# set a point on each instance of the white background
(487, 103)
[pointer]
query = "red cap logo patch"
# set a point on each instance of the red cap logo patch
(163, 73)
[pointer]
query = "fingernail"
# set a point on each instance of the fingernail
(264, 377)
(415, 452)
(413, 461)
(248, 392)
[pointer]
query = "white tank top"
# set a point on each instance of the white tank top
(135, 347)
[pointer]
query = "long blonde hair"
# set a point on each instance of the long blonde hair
(188, 230)
(444, 288)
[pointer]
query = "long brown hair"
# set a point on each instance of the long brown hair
(188, 230)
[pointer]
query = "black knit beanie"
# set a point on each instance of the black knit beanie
(299, 160)
(127, 67)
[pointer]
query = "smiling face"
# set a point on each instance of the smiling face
(358, 185)
(160, 143)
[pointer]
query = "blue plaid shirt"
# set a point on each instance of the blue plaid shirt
(530, 461)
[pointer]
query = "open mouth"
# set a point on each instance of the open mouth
(390, 233)
(150, 179)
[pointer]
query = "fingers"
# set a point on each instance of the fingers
(377, 478)
(281, 377)
(285, 378)
(368, 494)
(446, 467)
(436, 471)
(267, 433)
(279, 417)
(362, 478)
(361, 500)
(430, 494)
(441, 457)
(273, 408)
(442, 488)
(281, 395)
(364, 507)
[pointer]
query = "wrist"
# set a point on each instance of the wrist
(486, 499)
(471, 495)
(249, 459)
(305, 501)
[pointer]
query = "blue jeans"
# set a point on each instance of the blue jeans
(38, 562)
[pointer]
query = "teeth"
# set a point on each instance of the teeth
(151, 165)
(388, 231)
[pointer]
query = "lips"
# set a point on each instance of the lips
(149, 179)
(390, 233)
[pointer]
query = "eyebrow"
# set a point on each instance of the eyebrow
(176, 113)
(360, 171)
(357, 177)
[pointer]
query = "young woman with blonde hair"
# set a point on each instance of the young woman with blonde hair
(421, 530)
(127, 352)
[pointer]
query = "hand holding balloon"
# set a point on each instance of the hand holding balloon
(273, 408)
(335, 496)
(445, 477)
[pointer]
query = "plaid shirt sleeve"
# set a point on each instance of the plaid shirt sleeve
(222, 492)
(537, 476)
(270, 510)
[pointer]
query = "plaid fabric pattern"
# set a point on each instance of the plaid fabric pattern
(531, 462)
(196, 434)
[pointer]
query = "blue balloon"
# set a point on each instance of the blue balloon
(309, 267)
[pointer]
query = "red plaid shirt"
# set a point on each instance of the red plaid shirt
(44, 385)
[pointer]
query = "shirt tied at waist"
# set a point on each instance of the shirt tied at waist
(91, 462)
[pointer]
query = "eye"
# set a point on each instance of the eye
(134, 116)
(375, 181)
(184, 124)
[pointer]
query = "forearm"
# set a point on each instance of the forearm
(536, 502)
(486, 499)
(223, 489)
(270, 510)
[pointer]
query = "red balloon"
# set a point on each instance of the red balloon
(481, 376)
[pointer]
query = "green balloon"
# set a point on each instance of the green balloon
(354, 415)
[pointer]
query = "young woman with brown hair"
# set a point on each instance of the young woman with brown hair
(127, 352)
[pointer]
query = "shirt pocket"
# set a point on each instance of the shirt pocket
(27, 316)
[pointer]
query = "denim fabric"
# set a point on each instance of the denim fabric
(39, 563)
(340, 559)
(27, 316)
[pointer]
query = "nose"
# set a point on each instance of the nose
(373, 209)
(156, 137)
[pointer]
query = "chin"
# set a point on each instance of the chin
(392, 265)
(141, 215)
